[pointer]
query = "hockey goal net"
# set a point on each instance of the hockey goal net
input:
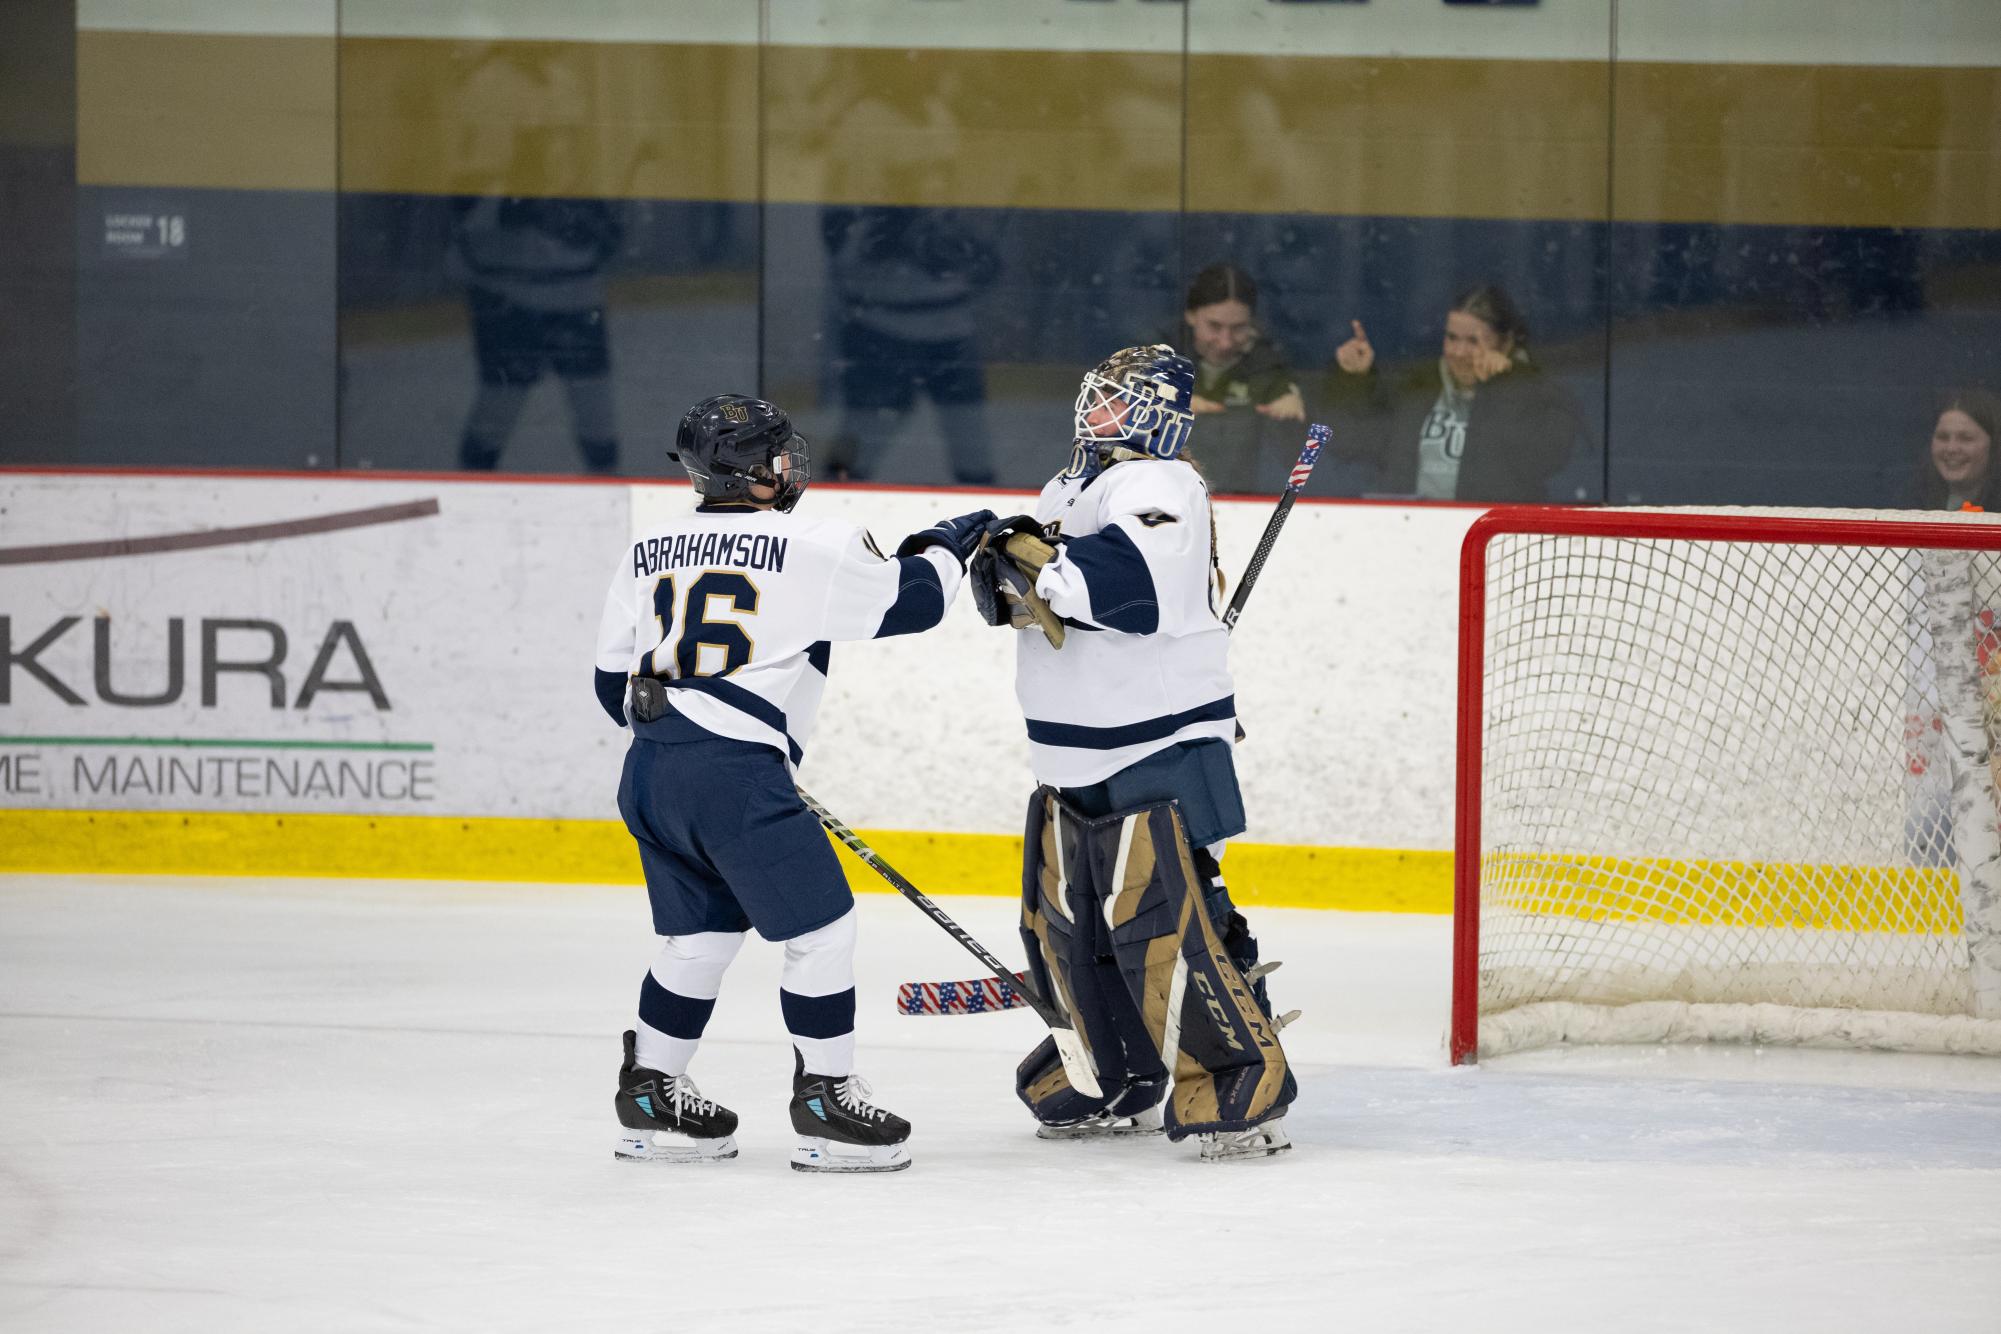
(1726, 776)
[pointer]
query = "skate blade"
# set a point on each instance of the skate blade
(659, 1146)
(819, 1155)
(1250, 1148)
(1116, 1130)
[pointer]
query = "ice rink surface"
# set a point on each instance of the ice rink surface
(356, 1106)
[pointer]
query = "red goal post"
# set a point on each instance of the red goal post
(1727, 775)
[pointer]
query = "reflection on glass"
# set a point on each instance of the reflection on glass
(905, 284)
(548, 245)
(1802, 266)
(1752, 256)
(956, 226)
(534, 288)
(532, 266)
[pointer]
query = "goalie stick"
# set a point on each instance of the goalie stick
(1316, 436)
(984, 995)
(1069, 1046)
(981, 995)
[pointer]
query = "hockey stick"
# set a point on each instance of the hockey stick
(944, 997)
(1316, 436)
(980, 995)
(1069, 1046)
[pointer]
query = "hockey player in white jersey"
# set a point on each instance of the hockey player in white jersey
(714, 648)
(1131, 720)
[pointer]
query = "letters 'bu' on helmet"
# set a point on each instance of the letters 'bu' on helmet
(1146, 392)
(732, 440)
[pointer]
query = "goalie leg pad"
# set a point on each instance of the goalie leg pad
(1071, 959)
(1238, 942)
(1115, 920)
(1230, 1072)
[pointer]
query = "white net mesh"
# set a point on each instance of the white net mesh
(1720, 774)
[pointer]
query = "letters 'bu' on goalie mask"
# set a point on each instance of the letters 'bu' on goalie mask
(732, 441)
(1134, 404)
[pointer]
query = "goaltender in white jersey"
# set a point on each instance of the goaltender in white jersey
(1122, 672)
(1147, 665)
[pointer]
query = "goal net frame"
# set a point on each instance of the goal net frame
(1974, 854)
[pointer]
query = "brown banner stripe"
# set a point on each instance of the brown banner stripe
(218, 537)
(1373, 136)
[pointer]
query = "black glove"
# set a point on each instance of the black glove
(960, 536)
(1000, 584)
(999, 530)
(984, 576)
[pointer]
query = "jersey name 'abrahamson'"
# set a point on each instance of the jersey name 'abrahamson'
(759, 551)
(735, 608)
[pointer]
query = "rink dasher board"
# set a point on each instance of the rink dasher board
(467, 744)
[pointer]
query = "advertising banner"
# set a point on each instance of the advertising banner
(358, 646)
(277, 645)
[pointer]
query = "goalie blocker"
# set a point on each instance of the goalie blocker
(1114, 922)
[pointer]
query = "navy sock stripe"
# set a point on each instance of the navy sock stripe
(818, 1016)
(670, 1012)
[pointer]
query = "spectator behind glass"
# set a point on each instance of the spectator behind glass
(1481, 422)
(1958, 468)
(1240, 380)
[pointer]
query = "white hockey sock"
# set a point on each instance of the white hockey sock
(678, 995)
(817, 994)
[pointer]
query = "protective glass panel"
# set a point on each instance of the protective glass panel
(1805, 268)
(548, 229)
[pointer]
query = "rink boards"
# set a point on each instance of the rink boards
(385, 676)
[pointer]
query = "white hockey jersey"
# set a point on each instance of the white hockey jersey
(1147, 662)
(735, 608)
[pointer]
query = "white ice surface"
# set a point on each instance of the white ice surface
(352, 1106)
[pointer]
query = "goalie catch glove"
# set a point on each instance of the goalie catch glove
(1003, 572)
(995, 596)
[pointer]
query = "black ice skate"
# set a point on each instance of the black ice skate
(1260, 1141)
(666, 1118)
(839, 1130)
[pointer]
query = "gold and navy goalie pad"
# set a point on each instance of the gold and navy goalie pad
(1113, 919)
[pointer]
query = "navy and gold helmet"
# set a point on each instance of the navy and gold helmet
(1134, 404)
(732, 441)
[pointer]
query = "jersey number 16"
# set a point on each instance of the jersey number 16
(698, 631)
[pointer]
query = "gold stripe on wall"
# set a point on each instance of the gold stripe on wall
(602, 852)
(1795, 145)
(204, 111)
(1832, 145)
(574, 119)
(841, 125)
(990, 129)
(1398, 138)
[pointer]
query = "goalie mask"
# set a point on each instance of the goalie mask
(730, 442)
(1133, 405)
